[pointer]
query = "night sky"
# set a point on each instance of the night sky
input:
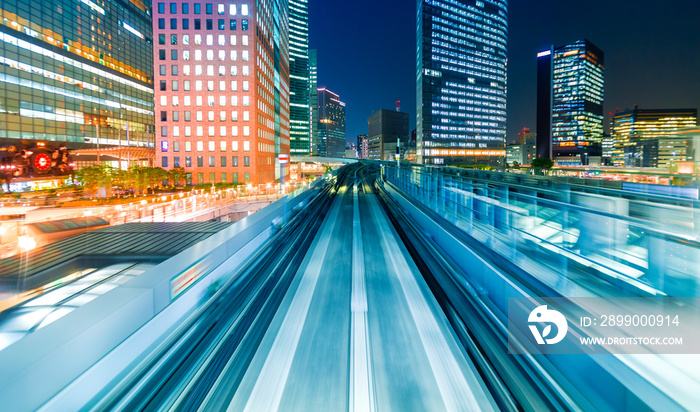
(367, 52)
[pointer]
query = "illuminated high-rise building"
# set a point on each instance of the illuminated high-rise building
(222, 94)
(299, 78)
(570, 88)
(461, 81)
(76, 72)
(634, 129)
(331, 124)
(313, 100)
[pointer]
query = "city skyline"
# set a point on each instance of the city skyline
(658, 40)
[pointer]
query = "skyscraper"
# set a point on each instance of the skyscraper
(570, 99)
(299, 78)
(76, 71)
(461, 81)
(223, 94)
(331, 124)
(384, 128)
(313, 100)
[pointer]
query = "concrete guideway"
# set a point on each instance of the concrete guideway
(359, 334)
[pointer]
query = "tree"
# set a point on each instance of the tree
(543, 163)
(155, 176)
(176, 175)
(94, 177)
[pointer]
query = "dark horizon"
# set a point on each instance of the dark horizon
(651, 54)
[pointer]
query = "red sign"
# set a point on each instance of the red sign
(283, 158)
(42, 162)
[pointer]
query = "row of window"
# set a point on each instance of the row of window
(209, 24)
(211, 145)
(208, 7)
(221, 55)
(199, 101)
(198, 84)
(199, 70)
(199, 131)
(200, 118)
(221, 39)
(200, 161)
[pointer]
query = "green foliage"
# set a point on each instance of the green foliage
(543, 163)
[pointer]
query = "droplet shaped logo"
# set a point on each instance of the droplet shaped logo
(542, 315)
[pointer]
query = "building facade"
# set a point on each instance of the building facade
(384, 128)
(222, 89)
(362, 147)
(331, 124)
(77, 73)
(299, 78)
(632, 128)
(461, 81)
(570, 89)
(313, 100)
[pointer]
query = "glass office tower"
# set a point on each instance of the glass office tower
(313, 100)
(331, 124)
(577, 88)
(300, 143)
(222, 94)
(76, 72)
(461, 81)
(570, 87)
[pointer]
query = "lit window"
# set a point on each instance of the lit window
(234, 133)
(234, 55)
(210, 70)
(221, 9)
(222, 133)
(187, 101)
(222, 86)
(198, 70)
(246, 146)
(244, 55)
(198, 85)
(233, 40)
(210, 55)
(200, 144)
(186, 70)
(210, 39)
(245, 71)
(163, 100)
(197, 39)
(246, 130)
(234, 85)
(232, 9)
(212, 144)
(246, 116)
(246, 100)
(222, 55)
(245, 85)
(222, 40)
(222, 101)
(244, 9)
(244, 39)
